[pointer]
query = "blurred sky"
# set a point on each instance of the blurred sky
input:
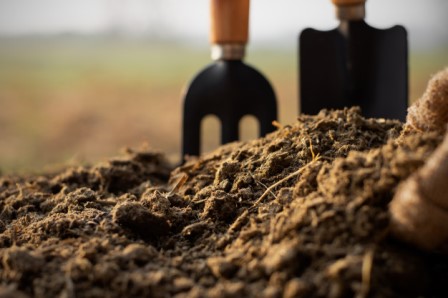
(274, 23)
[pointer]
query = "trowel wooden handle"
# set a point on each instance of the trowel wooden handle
(347, 2)
(229, 21)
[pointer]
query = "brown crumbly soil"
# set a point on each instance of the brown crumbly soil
(300, 213)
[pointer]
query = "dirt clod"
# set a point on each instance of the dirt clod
(137, 218)
(21, 260)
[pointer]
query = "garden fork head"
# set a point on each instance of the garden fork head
(228, 88)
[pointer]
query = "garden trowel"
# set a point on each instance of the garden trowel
(354, 64)
(228, 88)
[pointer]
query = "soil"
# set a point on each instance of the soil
(299, 213)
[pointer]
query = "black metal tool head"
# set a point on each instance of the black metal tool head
(229, 90)
(355, 64)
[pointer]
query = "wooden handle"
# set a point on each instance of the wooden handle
(229, 21)
(347, 2)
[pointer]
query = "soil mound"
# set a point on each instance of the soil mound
(300, 213)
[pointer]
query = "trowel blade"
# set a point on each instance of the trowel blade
(361, 66)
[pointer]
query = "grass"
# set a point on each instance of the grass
(80, 100)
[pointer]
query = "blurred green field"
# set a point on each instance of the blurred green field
(70, 100)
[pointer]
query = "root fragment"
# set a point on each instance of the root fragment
(367, 265)
(280, 182)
